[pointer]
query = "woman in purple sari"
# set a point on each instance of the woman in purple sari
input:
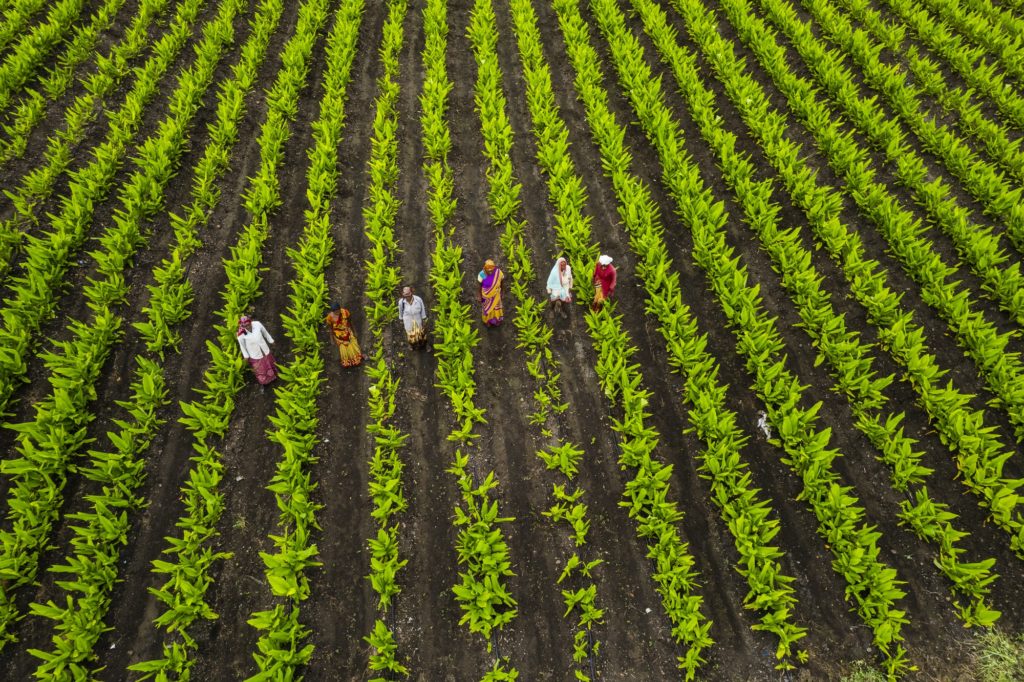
(490, 294)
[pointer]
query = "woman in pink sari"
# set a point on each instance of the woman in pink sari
(255, 340)
(490, 294)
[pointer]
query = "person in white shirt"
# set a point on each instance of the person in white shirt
(560, 285)
(255, 341)
(413, 315)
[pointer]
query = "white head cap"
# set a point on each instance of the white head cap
(605, 260)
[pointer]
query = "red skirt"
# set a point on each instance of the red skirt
(264, 368)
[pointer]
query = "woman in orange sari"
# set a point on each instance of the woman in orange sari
(490, 294)
(343, 336)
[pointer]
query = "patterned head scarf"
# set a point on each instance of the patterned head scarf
(243, 325)
(489, 266)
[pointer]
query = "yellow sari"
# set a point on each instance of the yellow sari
(344, 338)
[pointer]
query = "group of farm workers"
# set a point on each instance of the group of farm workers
(255, 340)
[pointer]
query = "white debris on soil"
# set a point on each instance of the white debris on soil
(763, 425)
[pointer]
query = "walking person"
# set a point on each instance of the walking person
(560, 285)
(255, 342)
(344, 338)
(413, 315)
(604, 281)
(490, 279)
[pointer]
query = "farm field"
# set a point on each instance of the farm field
(789, 447)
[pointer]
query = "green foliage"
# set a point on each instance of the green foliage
(483, 596)
(386, 466)
(49, 442)
(383, 658)
(620, 380)
(565, 458)
(533, 334)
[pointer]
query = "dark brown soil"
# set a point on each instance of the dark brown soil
(636, 642)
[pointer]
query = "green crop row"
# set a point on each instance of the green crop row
(30, 111)
(1004, 16)
(48, 256)
(969, 118)
(89, 575)
(16, 18)
(34, 47)
(386, 466)
(993, 135)
(50, 441)
(183, 595)
(980, 453)
(1003, 372)
(482, 593)
(847, 358)
(976, 244)
(747, 517)
(1007, 50)
(80, 621)
(172, 293)
(281, 644)
(872, 585)
(971, 63)
(533, 334)
(647, 494)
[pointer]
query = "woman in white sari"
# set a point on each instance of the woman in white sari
(560, 285)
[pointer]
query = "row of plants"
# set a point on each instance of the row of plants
(38, 184)
(192, 555)
(1001, 371)
(969, 116)
(970, 63)
(846, 356)
(16, 18)
(983, 180)
(872, 585)
(978, 245)
(980, 454)
(986, 34)
(89, 571)
(171, 294)
(647, 494)
(482, 593)
(26, 55)
(109, 68)
(1004, 16)
(282, 647)
(120, 470)
(48, 443)
(532, 333)
(533, 336)
(993, 135)
(387, 488)
(748, 517)
(48, 257)
(80, 47)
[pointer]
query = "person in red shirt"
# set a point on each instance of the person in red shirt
(604, 281)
